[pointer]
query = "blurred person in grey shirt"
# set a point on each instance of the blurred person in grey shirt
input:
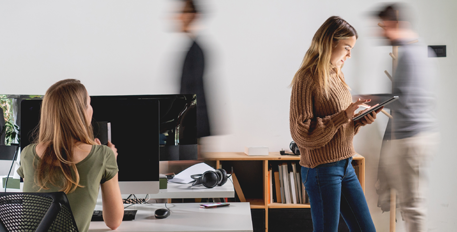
(411, 135)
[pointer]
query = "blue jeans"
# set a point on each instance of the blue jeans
(333, 188)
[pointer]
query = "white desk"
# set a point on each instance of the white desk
(186, 217)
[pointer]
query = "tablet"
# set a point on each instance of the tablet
(394, 98)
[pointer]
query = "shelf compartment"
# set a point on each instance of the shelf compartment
(282, 206)
(256, 203)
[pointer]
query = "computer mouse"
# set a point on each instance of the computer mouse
(162, 213)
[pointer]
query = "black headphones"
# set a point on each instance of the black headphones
(293, 147)
(210, 178)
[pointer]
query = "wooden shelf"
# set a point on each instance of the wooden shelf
(283, 206)
(241, 156)
(262, 175)
(256, 203)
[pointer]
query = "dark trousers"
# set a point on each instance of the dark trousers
(333, 188)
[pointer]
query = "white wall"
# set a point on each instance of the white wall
(253, 47)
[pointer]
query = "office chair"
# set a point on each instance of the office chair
(36, 212)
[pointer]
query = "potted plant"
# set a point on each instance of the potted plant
(9, 131)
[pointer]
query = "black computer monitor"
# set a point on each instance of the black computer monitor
(134, 130)
(178, 124)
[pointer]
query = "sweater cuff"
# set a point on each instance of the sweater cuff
(340, 119)
(357, 126)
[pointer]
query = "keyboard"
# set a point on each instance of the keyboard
(129, 215)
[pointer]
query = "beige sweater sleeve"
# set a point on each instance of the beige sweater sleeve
(306, 129)
(357, 125)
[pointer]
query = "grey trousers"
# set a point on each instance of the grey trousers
(406, 162)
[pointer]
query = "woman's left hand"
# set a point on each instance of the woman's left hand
(370, 118)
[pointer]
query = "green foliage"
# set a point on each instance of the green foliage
(11, 130)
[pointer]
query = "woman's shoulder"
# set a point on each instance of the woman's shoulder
(103, 150)
(28, 154)
(306, 81)
(29, 149)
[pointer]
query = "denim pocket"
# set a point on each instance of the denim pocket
(304, 174)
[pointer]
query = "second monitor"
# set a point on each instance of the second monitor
(178, 125)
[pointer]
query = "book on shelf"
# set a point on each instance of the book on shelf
(273, 197)
(292, 187)
(294, 176)
(281, 179)
(277, 186)
(298, 186)
(286, 181)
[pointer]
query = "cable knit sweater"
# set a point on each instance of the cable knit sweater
(319, 125)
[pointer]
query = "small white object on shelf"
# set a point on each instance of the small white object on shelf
(256, 150)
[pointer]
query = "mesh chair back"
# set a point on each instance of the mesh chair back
(36, 212)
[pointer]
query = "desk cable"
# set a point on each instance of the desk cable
(135, 200)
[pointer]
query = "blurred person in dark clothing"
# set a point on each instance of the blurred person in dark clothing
(192, 76)
(412, 133)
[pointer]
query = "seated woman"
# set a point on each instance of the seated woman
(66, 157)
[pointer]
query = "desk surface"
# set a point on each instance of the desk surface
(186, 217)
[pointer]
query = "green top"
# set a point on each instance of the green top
(97, 168)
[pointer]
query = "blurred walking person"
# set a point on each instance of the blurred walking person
(411, 135)
(193, 69)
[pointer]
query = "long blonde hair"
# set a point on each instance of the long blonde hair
(63, 123)
(316, 62)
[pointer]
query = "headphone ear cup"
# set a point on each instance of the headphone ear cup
(223, 177)
(209, 179)
(219, 176)
(294, 148)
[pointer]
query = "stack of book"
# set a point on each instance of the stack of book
(285, 184)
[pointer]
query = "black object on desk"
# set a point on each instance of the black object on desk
(129, 215)
(162, 213)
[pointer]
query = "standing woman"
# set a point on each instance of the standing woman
(321, 112)
(66, 158)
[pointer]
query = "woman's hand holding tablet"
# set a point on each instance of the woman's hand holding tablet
(369, 118)
(376, 108)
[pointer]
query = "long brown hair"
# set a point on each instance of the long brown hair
(316, 62)
(63, 123)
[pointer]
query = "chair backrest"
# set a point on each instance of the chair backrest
(36, 212)
(2, 127)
